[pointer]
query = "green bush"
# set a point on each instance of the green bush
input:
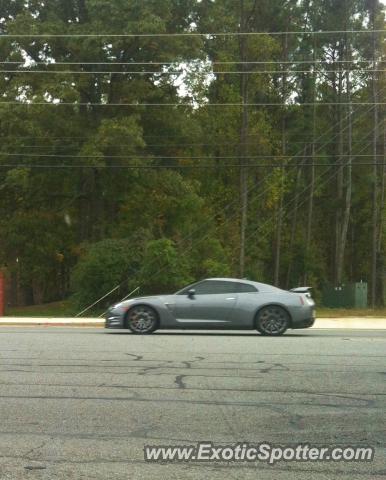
(164, 269)
(156, 266)
(105, 264)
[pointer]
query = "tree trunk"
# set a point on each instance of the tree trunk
(380, 248)
(339, 185)
(279, 222)
(310, 211)
(375, 167)
(348, 186)
(243, 140)
(382, 193)
(294, 222)
(347, 176)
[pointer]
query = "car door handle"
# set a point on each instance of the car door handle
(230, 298)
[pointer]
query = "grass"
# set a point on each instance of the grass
(66, 309)
(55, 309)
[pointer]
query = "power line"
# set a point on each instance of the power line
(178, 157)
(180, 72)
(182, 34)
(150, 136)
(186, 145)
(44, 137)
(195, 61)
(261, 104)
(215, 166)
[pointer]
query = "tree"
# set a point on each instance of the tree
(270, 187)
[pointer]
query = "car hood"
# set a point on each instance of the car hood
(150, 299)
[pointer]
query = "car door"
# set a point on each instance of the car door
(210, 307)
(248, 299)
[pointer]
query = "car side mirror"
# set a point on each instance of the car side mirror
(191, 293)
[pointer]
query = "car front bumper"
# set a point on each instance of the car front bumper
(114, 320)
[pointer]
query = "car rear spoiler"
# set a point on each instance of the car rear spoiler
(301, 289)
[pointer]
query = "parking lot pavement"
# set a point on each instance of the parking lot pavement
(82, 403)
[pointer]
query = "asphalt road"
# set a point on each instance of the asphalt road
(81, 403)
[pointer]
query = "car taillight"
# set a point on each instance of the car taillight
(301, 300)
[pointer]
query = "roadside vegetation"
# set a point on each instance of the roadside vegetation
(155, 161)
(54, 309)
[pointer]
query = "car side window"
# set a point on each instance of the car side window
(246, 288)
(212, 287)
(185, 290)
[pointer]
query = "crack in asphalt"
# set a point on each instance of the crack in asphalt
(328, 437)
(136, 357)
(171, 364)
(274, 366)
(348, 395)
(136, 398)
(179, 381)
(34, 449)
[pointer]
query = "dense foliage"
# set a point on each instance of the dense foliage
(253, 168)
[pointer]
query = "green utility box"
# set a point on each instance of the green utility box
(350, 295)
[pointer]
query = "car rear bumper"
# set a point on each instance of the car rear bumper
(304, 323)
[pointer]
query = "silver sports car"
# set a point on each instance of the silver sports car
(218, 303)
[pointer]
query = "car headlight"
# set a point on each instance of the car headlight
(121, 304)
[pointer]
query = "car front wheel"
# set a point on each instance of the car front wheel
(272, 320)
(142, 319)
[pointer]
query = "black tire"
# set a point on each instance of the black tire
(272, 320)
(142, 319)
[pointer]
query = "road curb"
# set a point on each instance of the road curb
(352, 323)
(42, 324)
(51, 322)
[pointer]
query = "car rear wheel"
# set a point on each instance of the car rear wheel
(142, 319)
(272, 320)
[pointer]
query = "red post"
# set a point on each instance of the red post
(2, 296)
